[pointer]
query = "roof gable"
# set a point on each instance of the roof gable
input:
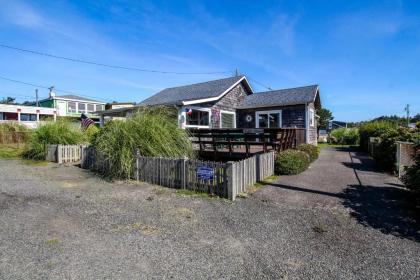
(195, 93)
(282, 97)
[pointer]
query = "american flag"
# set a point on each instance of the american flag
(85, 121)
(188, 111)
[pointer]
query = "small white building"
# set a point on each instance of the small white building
(29, 116)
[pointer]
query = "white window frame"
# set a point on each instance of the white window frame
(76, 107)
(311, 117)
(257, 113)
(183, 116)
(227, 112)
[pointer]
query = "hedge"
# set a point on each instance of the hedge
(311, 150)
(291, 162)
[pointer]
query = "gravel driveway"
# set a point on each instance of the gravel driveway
(341, 219)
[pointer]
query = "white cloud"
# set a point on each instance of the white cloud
(20, 14)
(372, 23)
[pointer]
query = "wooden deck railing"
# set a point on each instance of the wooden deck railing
(248, 141)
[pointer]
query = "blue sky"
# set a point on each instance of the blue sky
(364, 54)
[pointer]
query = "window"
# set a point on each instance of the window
(72, 107)
(81, 108)
(268, 119)
(90, 108)
(28, 117)
(311, 117)
(227, 120)
(197, 117)
(99, 107)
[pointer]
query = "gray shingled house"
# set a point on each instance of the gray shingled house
(232, 103)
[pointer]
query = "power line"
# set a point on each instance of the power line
(109, 65)
(259, 83)
(45, 87)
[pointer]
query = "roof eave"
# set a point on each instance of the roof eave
(211, 99)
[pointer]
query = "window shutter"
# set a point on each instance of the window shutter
(228, 120)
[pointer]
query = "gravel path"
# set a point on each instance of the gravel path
(341, 219)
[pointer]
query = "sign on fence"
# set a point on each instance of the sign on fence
(205, 173)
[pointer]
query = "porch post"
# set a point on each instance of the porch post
(18, 111)
(101, 120)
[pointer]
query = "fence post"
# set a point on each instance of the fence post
(183, 173)
(59, 155)
(231, 182)
(136, 158)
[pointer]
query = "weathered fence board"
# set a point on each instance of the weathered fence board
(223, 179)
(64, 153)
(404, 156)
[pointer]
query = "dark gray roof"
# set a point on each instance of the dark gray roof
(176, 95)
(76, 97)
(291, 96)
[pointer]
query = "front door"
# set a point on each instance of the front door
(61, 108)
(268, 119)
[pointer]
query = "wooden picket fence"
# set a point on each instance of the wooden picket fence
(64, 153)
(223, 179)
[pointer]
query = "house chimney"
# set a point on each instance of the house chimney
(51, 93)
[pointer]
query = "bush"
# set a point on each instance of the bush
(311, 150)
(59, 132)
(387, 148)
(345, 136)
(153, 131)
(90, 133)
(373, 129)
(291, 162)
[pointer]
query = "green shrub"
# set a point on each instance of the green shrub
(311, 150)
(345, 136)
(387, 148)
(59, 132)
(374, 129)
(153, 131)
(90, 133)
(291, 162)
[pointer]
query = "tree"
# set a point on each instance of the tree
(325, 116)
(8, 100)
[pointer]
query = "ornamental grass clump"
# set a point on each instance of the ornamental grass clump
(13, 132)
(311, 150)
(291, 162)
(152, 131)
(59, 132)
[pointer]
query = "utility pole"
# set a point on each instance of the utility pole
(236, 72)
(36, 97)
(51, 91)
(407, 110)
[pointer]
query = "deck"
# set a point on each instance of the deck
(244, 142)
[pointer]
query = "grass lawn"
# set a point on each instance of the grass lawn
(10, 151)
(14, 152)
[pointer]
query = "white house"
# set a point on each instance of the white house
(29, 116)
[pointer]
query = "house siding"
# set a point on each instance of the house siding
(229, 102)
(292, 116)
